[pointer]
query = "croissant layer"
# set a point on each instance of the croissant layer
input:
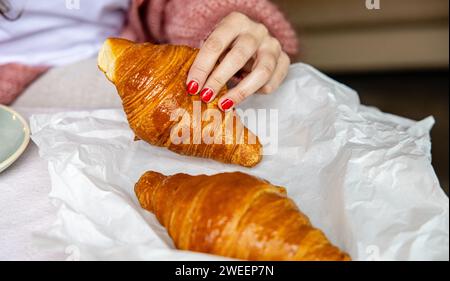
(151, 81)
(234, 215)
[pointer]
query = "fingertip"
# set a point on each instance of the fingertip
(207, 95)
(226, 104)
(192, 87)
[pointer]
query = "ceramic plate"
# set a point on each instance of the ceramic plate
(14, 136)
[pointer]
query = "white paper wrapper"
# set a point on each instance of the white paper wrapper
(362, 176)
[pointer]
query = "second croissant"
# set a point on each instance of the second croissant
(234, 215)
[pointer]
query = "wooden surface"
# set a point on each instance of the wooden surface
(343, 36)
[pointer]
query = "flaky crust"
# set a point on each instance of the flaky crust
(234, 215)
(151, 80)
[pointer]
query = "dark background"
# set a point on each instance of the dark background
(396, 57)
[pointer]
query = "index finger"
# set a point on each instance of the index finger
(209, 54)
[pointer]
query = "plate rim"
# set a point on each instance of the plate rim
(11, 159)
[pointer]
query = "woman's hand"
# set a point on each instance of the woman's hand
(245, 46)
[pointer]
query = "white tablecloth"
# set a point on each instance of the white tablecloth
(26, 208)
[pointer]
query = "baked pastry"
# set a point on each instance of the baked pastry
(151, 81)
(234, 215)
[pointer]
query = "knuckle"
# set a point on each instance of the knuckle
(262, 29)
(250, 40)
(267, 69)
(276, 44)
(213, 44)
(239, 55)
(216, 81)
(236, 16)
(240, 95)
(199, 70)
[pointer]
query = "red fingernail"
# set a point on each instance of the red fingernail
(192, 87)
(206, 94)
(226, 104)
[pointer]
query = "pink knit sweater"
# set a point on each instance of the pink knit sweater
(168, 21)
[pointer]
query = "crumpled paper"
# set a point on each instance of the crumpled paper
(362, 176)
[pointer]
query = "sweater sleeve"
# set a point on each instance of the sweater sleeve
(14, 78)
(189, 22)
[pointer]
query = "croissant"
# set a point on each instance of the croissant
(234, 215)
(150, 80)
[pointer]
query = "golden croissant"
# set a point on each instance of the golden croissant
(151, 81)
(234, 215)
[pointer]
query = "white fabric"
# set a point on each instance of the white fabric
(362, 176)
(56, 32)
(25, 207)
